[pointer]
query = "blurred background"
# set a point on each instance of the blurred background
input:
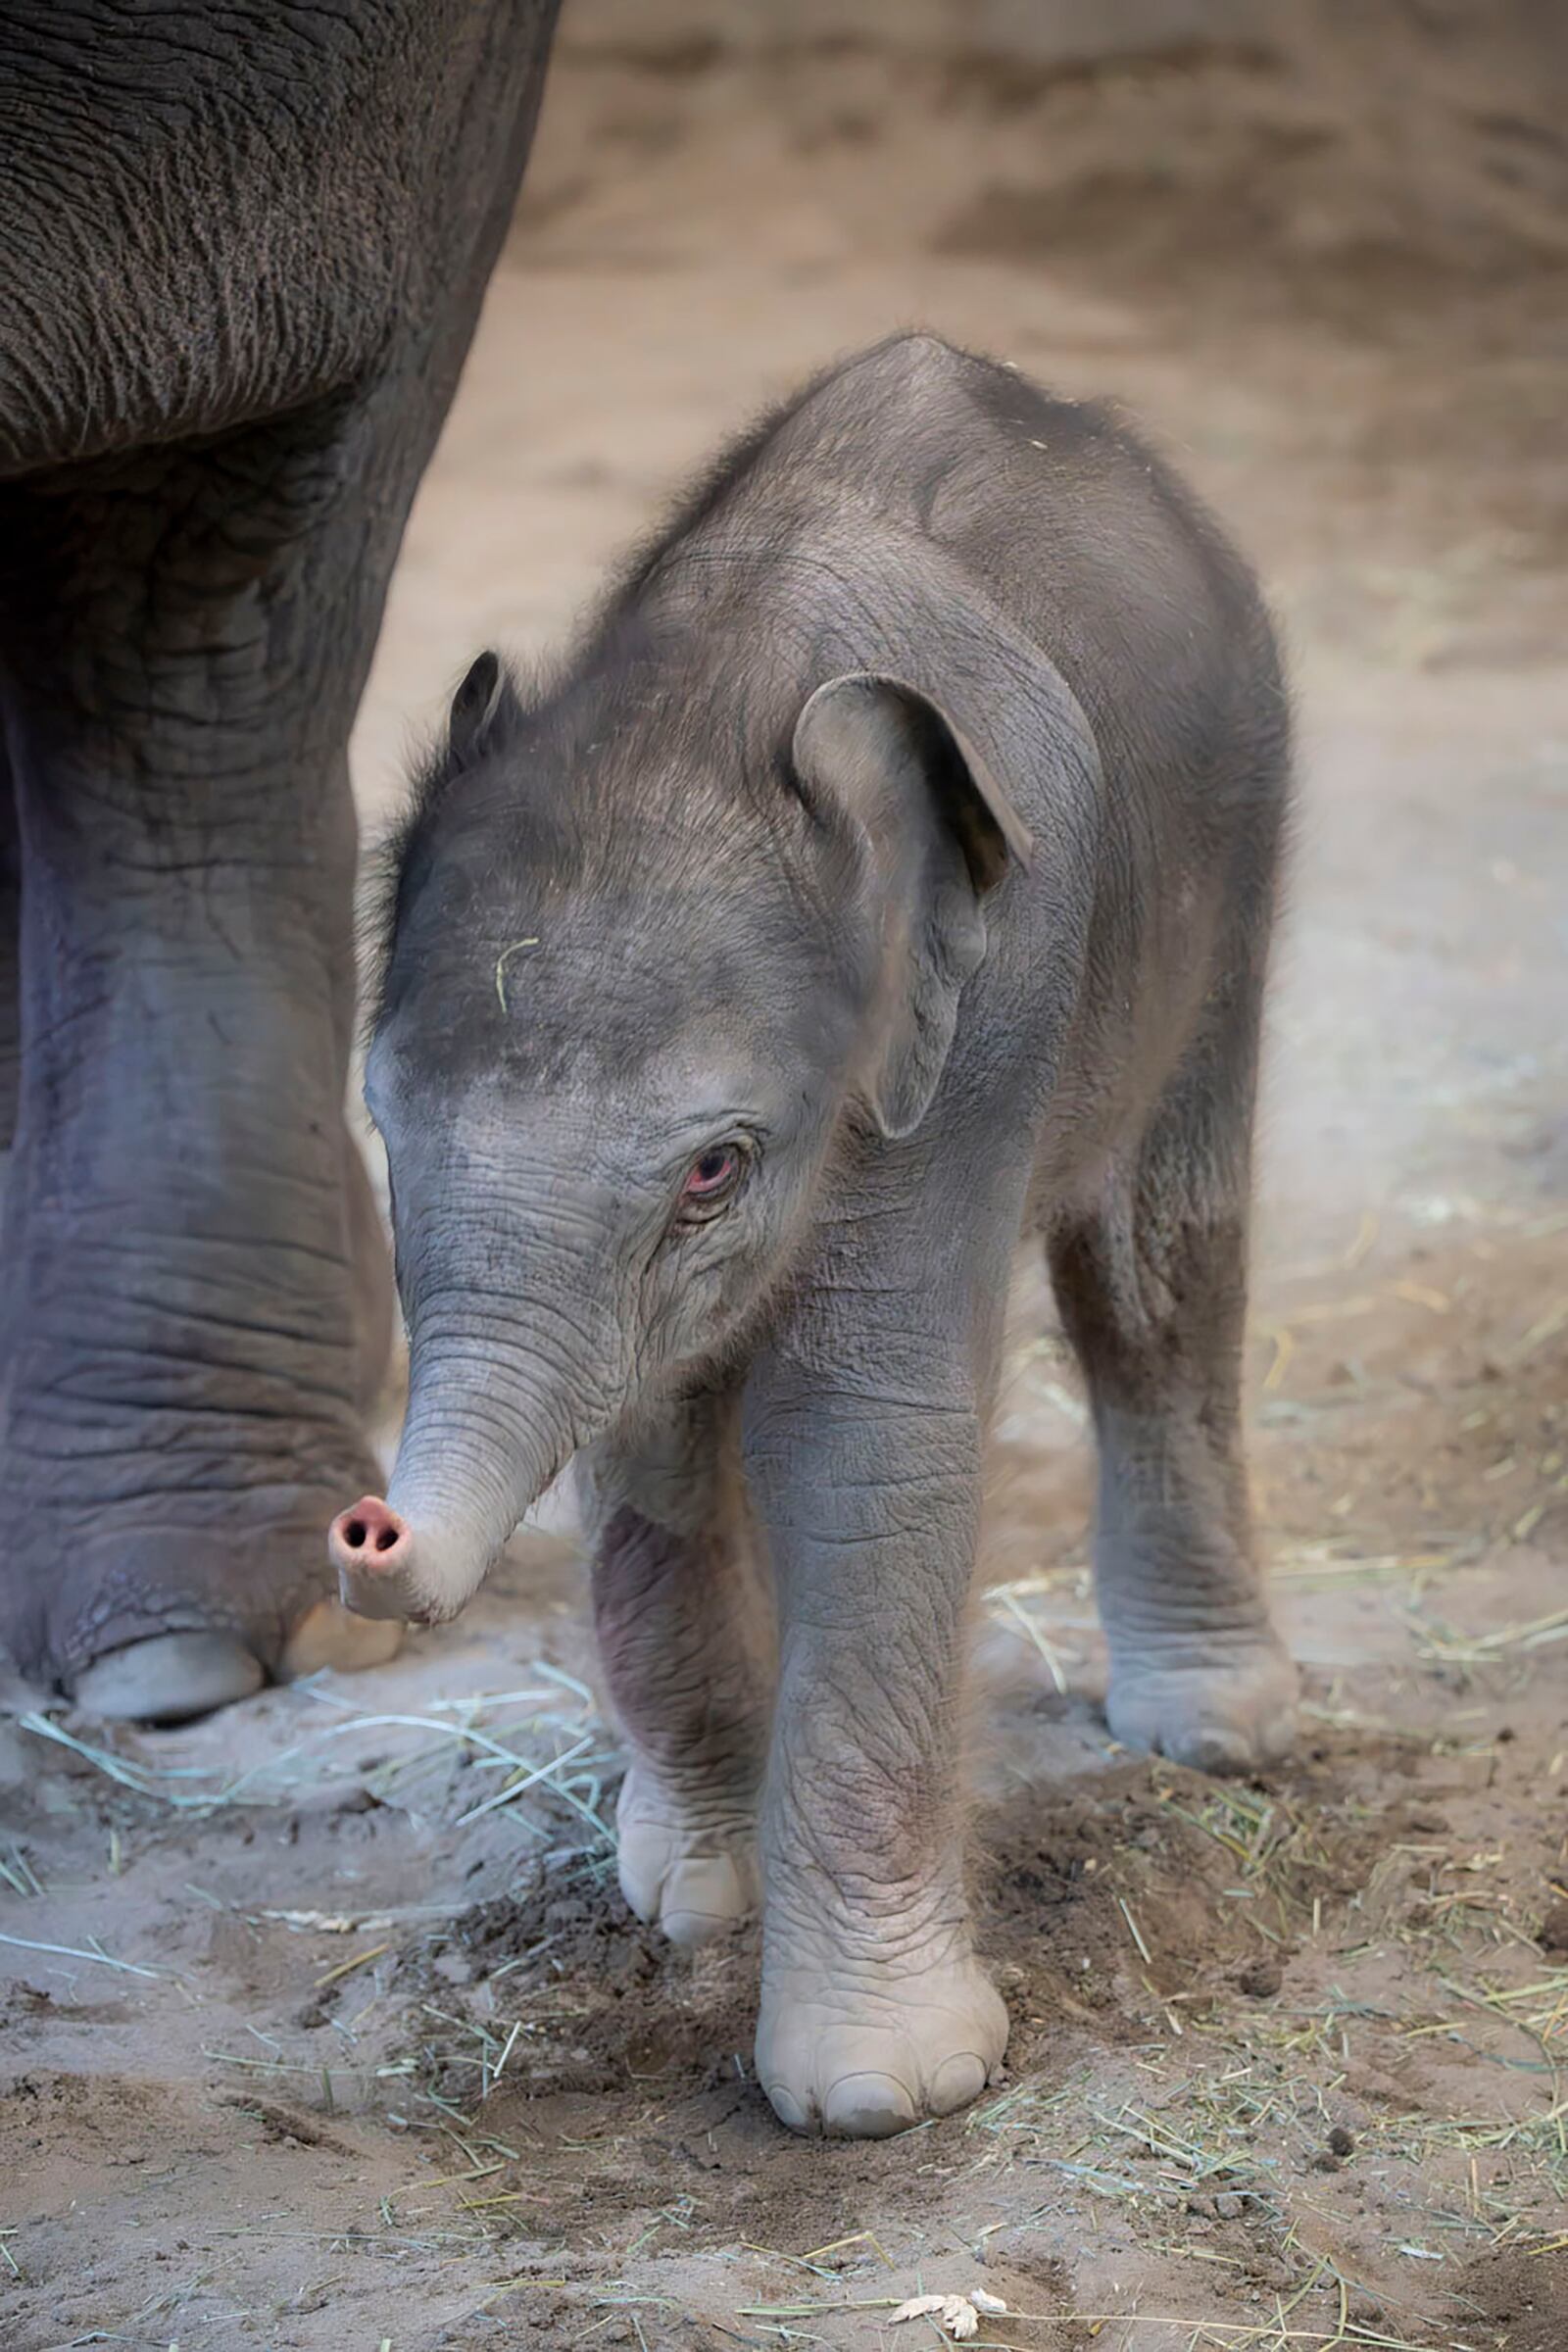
(1288, 2056)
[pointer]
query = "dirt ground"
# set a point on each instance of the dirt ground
(323, 2026)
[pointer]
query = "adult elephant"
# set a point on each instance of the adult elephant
(241, 256)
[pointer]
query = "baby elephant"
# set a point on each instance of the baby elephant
(888, 874)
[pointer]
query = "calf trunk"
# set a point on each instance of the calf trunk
(495, 1413)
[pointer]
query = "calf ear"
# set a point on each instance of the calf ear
(939, 832)
(485, 693)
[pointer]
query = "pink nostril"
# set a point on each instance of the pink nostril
(370, 1525)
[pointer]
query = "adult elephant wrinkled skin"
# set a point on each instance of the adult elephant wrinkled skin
(243, 254)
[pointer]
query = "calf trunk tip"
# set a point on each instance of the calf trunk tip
(372, 1548)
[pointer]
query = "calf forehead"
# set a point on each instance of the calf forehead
(636, 996)
(660, 985)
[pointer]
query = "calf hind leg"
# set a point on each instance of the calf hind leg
(1151, 1286)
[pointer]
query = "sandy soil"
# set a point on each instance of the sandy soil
(351, 2042)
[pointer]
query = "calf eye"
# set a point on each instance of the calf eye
(711, 1183)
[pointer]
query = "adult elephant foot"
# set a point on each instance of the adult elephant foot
(171, 1479)
(223, 1653)
(860, 2041)
(172, 1471)
(174, 1678)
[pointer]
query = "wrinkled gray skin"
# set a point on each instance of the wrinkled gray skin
(908, 827)
(243, 254)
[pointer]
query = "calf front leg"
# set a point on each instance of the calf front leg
(866, 1472)
(685, 1641)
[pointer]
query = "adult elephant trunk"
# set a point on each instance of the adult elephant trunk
(501, 1392)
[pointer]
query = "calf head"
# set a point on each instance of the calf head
(651, 964)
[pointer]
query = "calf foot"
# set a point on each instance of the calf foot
(860, 2044)
(1221, 1707)
(687, 1865)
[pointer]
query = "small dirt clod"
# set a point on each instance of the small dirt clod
(1554, 1929)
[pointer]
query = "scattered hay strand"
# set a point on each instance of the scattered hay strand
(1005, 1597)
(523, 1777)
(1230, 2334)
(1365, 1242)
(517, 948)
(1544, 1328)
(145, 1780)
(1328, 1563)
(97, 1957)
(572, 1773)
(19, 1874)
(355, 1960)
(1446, 1646)
(1136, 1932)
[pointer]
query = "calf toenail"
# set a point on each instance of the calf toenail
(787, 2107)
(958, 2080)
(870, 2106)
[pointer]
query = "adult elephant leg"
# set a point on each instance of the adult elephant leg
(863, 1447)
(183, 1351)
(212, 429)
(374, 1292)
(683, 1634)
(10, 978)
